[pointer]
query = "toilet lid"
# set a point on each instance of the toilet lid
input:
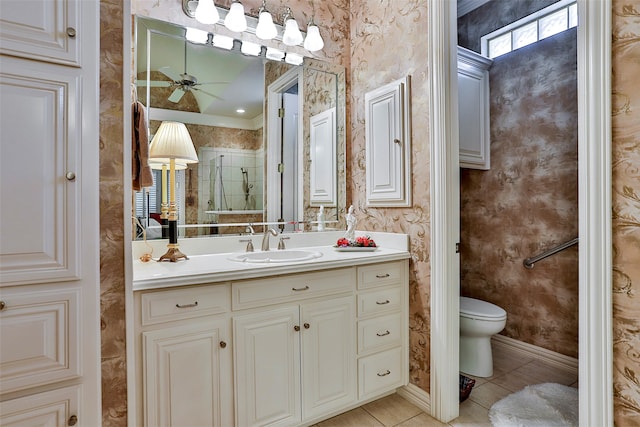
(481, 309)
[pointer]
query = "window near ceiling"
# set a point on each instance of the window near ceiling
(551, 20)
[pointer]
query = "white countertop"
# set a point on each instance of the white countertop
(218, 266)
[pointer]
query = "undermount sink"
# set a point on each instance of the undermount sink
(276, 256)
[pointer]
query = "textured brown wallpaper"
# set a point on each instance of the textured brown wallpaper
(388, 42)
(626, 211)
(528, 201)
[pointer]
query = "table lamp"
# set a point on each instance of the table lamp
(164, 207)
(172, 144)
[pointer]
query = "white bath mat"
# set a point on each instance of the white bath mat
(543, 405)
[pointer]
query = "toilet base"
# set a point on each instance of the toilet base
(476, 357)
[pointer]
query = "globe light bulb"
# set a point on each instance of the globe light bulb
(266, 29)
(292, 35)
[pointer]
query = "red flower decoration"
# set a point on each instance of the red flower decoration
(359, 242)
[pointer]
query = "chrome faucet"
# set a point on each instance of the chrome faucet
(265, 239)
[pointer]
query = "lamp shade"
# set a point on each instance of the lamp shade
(172, 141)
(313, 41)
(266, 29)
(206, 12)
(235, 20)
(292, 35)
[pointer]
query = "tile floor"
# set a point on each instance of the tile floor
(511, 373)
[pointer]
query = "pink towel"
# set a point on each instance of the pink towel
(140, 170)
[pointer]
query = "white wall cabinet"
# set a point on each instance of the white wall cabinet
(388, 145)
(49, 293)
(473, 109)
(295, 347)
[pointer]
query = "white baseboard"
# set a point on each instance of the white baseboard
(535, 352)
(416, 396)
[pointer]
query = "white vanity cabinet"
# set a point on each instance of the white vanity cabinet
(185, 368)
(301, 347)
(295, 361)
(383, 329)
(473, 109)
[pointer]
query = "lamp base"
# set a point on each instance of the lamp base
(173, 254)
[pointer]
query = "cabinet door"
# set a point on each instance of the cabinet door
(187, 375)
(267, 368)
(328, 355)
(45, 30)
(40, 139)
(57, 408)
(388, 145)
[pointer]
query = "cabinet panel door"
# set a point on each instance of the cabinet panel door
(49, 409)
(267, 368)
(187, 374)
(45, 30)
(40, 333)
(328, 355)
(40, 133)
(323, 153)
(388, 145)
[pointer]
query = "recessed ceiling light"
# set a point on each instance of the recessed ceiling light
(240, 110)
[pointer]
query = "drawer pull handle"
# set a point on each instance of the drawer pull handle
(384, 374)
(300, 289)
(384, 334)
(223, 344)
(195, 304)
(382, 276)
(383, 302)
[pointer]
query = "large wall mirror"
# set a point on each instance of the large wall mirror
(270, 136)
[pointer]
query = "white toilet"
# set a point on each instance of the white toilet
(479, 320)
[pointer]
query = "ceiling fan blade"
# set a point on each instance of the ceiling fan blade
(167, 71)
(213, 83)
(177, 95)
(208, 93)
(154, 83)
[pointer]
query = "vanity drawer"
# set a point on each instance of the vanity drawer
(184, 303)
(387, 273)
(274, 290)
(379, 301)
(380, 332)
(379, 372)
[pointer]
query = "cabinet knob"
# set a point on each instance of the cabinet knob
(71, 176)
(71, 32)
(307, 326)
(2, 305)
(73, 420)
(397, 141)
(296, 328)
(223, 344)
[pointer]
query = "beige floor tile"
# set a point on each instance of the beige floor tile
(391, 410)
(355, 418)
(488, 394)
(471, 415)
(422, 420)
(535, 372)
(505, 361)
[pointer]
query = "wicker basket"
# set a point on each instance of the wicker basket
(466, 384)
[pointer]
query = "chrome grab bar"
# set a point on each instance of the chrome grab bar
(529, 262)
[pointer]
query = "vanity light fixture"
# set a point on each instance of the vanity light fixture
(223, 42)
(292, 35)
(266, 29)
(293, 59)
(313, 42)
(206, 12)
(195, 35)
(235, 20)
(249, 48)
(173, 142)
